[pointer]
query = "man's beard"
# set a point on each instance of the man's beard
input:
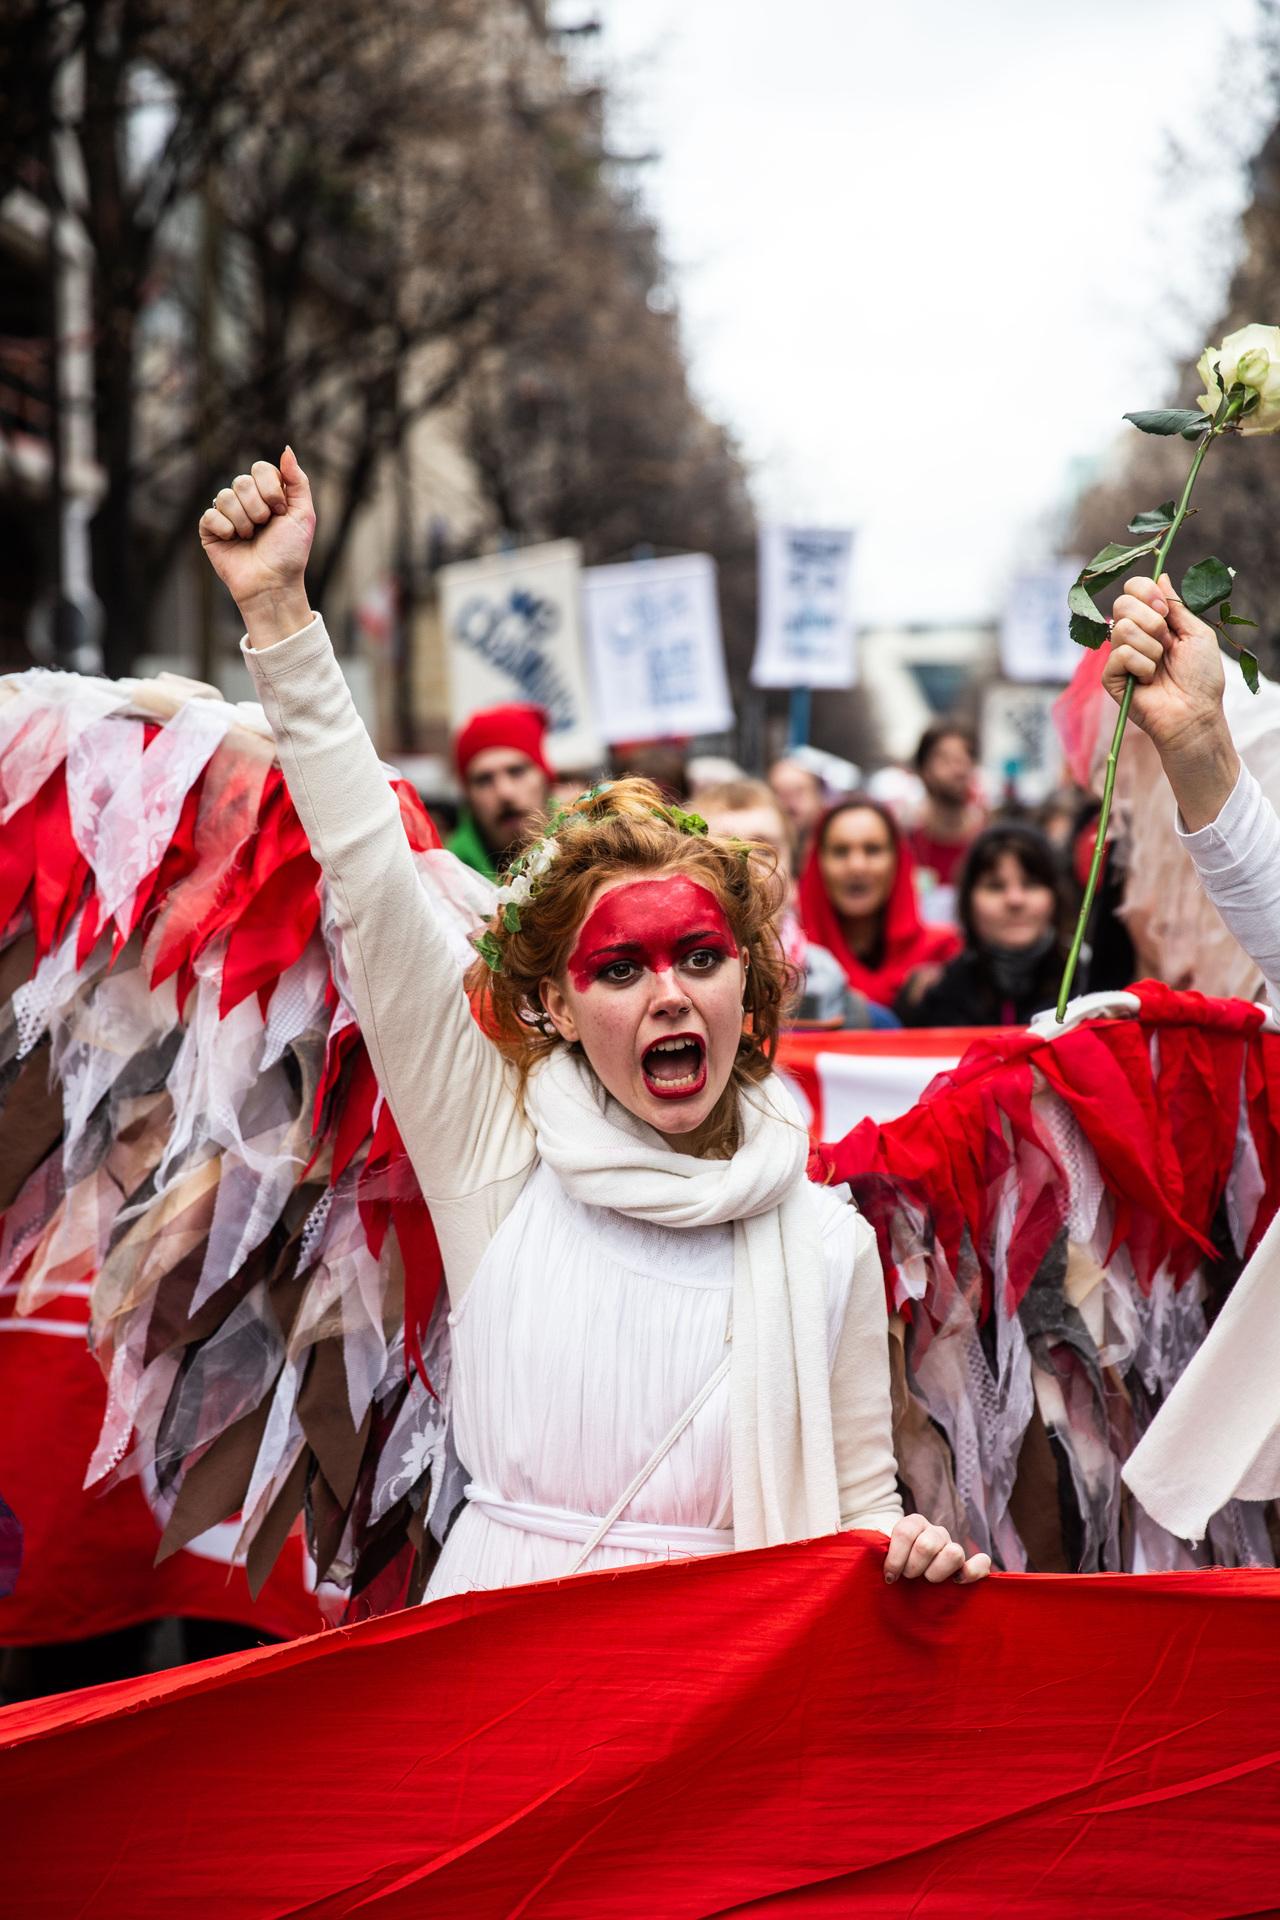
(509, 832)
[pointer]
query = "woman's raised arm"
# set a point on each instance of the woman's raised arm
(446, 1084)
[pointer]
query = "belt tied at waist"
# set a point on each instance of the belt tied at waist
(560, 1523)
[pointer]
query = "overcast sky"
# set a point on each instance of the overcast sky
(929, 253)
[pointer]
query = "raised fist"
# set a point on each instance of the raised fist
(258, 535)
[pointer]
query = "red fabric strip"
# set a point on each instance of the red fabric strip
(1157, 1098)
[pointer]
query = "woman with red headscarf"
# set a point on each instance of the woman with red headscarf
(858, 898)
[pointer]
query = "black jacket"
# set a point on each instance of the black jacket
(967, 994)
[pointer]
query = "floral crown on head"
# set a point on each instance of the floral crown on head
(528, 871)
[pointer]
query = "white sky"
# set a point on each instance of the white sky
(928, 252)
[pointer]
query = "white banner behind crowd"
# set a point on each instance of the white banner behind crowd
(512, 632)
(653, 640)
(805, 637)
(1035, 634)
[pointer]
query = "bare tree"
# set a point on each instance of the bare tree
(303, 227)
(1237, 504)
(585, 425)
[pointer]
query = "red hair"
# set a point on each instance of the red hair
(623, 830)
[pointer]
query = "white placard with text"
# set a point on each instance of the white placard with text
(805, 636)
(513, 633)
(657, 658)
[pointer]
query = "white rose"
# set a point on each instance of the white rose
(1250, 356)
(516, 891)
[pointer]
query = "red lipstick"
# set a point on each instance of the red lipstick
(675, 1067)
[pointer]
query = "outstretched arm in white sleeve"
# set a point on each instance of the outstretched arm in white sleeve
(447, 1086)
(1226, 822)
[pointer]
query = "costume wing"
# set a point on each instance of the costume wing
(1059, 1219)
(190, 1122)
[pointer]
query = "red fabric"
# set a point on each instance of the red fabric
(523, 729)
(419, 827)
(801, 1052)
(88, 1560)
(1077, 713)
(1163, 1132)
(907, 943)
(179, 858)
(773, 1732)
(941, 857)
(276, 906)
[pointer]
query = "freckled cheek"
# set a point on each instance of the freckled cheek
(719, 1001)
(606, 1027)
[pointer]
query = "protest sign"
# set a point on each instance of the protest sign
(657, 659)
(805, 635)
(1035, 637)
(512, 633)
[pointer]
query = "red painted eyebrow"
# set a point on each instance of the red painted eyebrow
(637, 946)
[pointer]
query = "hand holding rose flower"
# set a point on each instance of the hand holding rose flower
(1242, 395)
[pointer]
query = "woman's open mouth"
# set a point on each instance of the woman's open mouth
(675, 1068)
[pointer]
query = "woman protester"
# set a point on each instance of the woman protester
(666, 1340)
(749, 810)
(858, 899)
(1012, 907)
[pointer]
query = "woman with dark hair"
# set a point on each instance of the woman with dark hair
(1012, 906)
(858, 899)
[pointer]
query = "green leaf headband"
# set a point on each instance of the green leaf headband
(529, 869)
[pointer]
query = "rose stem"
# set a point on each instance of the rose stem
(1113, 758)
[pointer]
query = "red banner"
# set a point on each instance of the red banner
(88, 1556)
(758, 1733)
(844, 1078)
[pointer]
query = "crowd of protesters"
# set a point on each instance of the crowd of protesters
(912, 900)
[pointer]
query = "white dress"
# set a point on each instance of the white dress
(582, 1338)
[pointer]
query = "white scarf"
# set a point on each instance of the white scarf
(781, 1445)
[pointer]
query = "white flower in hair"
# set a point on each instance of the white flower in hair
(516, 891)
(541, 858)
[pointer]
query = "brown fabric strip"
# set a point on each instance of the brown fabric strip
(214, 1488)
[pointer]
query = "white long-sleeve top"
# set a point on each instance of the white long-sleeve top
(1217, 1437)
(454, 1099)
(1238, 859)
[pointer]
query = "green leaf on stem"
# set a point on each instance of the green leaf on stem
(489, 951)
(1086, 632)
(1155, 519)
(511, 917)
(1230, 619)
(1089, 628)
(1205, 584)
(1113, 563)
(1167, 420)
(1079, 601)
(1249, 668)
(1200, 428)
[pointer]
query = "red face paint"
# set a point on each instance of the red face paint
(654, 924)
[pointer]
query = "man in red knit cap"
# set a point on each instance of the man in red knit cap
(506, 777)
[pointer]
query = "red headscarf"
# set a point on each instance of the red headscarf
(905, 941)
